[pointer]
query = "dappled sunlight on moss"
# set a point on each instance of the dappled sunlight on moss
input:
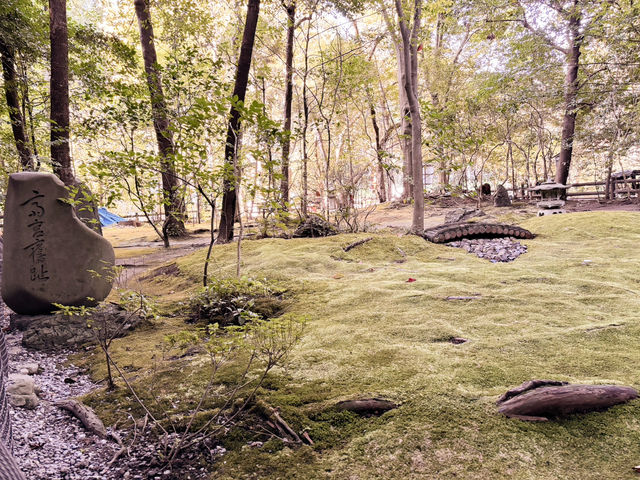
(567, 309)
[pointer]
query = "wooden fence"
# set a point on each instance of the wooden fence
(619, 188)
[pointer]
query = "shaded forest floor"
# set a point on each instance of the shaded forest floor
(371, 333)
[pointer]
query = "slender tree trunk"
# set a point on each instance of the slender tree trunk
(7, 54)
(59, 91)
(409, 81)
(327, 164)
(608, 187)
(382, 192)
(288, 100)
(173, 198)
(513, 172)
(269, 163)
(228, 212)
(405, 138)
(305, 126)
(571, 94)
(27, 112)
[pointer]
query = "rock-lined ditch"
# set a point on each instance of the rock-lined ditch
(493, 249)
(48, 442)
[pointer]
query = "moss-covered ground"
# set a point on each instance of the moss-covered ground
(566, 310)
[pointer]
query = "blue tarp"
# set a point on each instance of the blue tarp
(107, 218)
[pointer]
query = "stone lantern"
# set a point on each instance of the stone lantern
(551, 197)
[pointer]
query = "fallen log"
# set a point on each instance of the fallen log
(539, 400)
(367, 406)
(83, 413)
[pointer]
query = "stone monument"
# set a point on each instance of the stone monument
(50, 256)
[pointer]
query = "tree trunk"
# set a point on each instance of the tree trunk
(405, 139)
(513, 170)
(59, 91)
(27, 112)
(327, 164)
(382, 192)
(228, 212)
(570, 96)
(409, 81)
(173, 200)
(7, 55)
(305, 126)
(288, 99)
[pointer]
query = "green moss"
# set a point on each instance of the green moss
(549, 314)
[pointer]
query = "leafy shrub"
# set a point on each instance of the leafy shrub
(138, 303)
(231, 301)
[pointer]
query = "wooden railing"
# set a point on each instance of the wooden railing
(633, 188)
(576, 189)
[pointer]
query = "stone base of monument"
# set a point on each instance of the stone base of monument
(50, 256)
(57, 332)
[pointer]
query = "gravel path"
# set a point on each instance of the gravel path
(48, 442)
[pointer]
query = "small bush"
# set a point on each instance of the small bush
(314, 226)
(233, 301)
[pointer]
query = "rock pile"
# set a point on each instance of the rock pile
(55, 332)
(493, 249)
(23, 391)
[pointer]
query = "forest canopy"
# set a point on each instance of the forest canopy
(307, 106)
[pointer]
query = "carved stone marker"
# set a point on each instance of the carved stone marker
(49, 255)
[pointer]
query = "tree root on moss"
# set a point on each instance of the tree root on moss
(367, 406)
(357, 244)
(539, 400)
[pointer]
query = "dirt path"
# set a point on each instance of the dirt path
(387, 216)
(134, 266)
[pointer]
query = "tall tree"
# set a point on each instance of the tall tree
(288, 100)
(409, 74)
(572, 54)
(173, 198)
(7, 55)
(577, 17)
(405, 115)
(305, 121)
(230, 182)
(59, 91)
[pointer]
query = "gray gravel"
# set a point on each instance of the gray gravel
(48, 442)
(493, 249)
(51, 444)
